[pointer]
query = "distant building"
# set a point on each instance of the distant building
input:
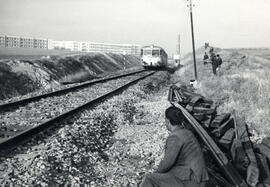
(41, 43)
(2, 41)
(24, 42)
(97, 47)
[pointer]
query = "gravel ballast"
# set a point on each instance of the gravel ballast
(36, 112)
(113, 144)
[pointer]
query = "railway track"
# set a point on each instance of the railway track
(16, 103)
(29, 117)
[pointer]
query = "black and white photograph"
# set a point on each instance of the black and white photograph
(135, 93)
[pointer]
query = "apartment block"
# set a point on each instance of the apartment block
(41, 43)
(23, 42)
(2, 41)
(97, 47)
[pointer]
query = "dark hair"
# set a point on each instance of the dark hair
(174, 115)
(217, 54)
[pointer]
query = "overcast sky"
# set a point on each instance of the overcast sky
(223, 23)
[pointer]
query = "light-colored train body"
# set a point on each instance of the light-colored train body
(153, 56)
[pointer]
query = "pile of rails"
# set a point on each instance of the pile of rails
(225, 141)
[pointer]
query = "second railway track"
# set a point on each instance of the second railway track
(18, 102)
(32, 118)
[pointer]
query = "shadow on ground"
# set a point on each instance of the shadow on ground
(170, 69)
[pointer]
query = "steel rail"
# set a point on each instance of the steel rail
(62, 91)
(20, 137)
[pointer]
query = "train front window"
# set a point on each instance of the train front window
(147, 52)
(155, 52)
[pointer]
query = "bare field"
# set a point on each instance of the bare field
(242, 85)
(29, 54)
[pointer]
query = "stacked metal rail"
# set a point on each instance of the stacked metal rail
(225, 137)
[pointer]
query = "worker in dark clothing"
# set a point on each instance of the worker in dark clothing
(214, 63)
(211, 50)
(205, 58)
(183, 164)
(219, 60)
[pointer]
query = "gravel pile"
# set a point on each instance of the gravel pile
(111, 145)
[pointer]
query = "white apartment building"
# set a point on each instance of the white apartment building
(30, 42)
(2, 41)
(97, 47)
(24, 42)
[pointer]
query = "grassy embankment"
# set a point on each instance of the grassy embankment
(242, 85)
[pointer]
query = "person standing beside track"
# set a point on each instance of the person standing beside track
(183, 164)
(205, 58)
(219, 61)
(214, 63)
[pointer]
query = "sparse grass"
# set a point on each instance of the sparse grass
(242, 85)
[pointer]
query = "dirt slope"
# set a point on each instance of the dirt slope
(19, 77)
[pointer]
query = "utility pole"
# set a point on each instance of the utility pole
(179, 45)
(192, 34)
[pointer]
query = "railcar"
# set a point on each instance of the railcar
(153, 57)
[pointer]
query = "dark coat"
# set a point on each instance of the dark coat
(205, 57)
(214, 60)
(183, 164)
(183, 157)
(219, 61)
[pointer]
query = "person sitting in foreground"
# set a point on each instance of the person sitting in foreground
(183, 164)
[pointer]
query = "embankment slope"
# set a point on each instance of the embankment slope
(18, 77)
(242, 84)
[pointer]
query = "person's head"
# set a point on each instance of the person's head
(217, 55)
(173, 117)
